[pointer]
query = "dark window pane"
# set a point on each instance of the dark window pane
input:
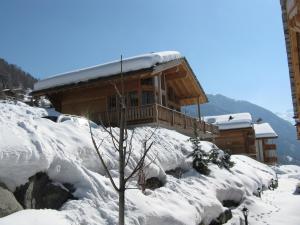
(164, 100)
(162, 82)
(147, 97)
(133, 98)
(112, 102)
(148, 81)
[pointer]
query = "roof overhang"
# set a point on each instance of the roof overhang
(177, 72)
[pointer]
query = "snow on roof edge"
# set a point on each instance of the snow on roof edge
(264, 130)
(231, 121)
(107, 69)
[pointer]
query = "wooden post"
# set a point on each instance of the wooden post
(159, 90)
(156, 112)
(139, 92)
(184, 118)
(198, 104)
(172, 117)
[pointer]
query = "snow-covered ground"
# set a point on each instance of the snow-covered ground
(280, 206)
(29, 144)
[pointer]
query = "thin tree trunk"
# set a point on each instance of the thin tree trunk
(122, 207)
(122, 152)
(122, 164)
(121, 169)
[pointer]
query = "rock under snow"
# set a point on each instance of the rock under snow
(41, 193)
(8, 202)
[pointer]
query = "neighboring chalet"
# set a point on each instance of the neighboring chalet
(291, 24)
(156, 86)
(236, 133)
(265, 148)
(239, 135)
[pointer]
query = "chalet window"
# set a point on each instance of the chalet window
(163, 99)
(162, 82)
(171, 94)
(133, 98)
(147, 97)
(147, 81)
(112, 102)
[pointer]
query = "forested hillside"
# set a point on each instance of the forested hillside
(12, 76)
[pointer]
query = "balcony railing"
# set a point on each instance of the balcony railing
(161, 115)
(270, 146)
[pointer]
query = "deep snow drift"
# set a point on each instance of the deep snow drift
(29, 144)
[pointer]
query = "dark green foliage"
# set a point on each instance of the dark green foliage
(200, 157)
(221, 158)
(12, 76)
(215, 156)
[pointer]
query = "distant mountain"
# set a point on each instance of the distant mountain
(287, 115)
(288, 147)
(12, 76)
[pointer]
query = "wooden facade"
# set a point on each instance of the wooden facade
(265, 147)
(266, 151)
(237, 141)
(291, 24)
(153, 96)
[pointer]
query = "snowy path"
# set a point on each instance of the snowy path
(278, 207)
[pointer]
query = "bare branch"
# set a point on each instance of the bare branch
(152, 160)
(140, 162)
(101, 159)
(130, 148)
(116, 88)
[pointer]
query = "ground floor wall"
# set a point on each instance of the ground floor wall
(237, 141)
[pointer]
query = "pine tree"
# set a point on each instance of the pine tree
(200, 157)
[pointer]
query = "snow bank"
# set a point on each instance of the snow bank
(230, 121)
(264, 130)
(30, 144)
(112, 68)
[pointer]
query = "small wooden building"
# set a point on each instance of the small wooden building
(236, 133)
(265, 147)
(291, 25)
(156, 86)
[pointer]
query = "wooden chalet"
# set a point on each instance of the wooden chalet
(156, 86)
(265, 147)
(291, 24)
(236, 133)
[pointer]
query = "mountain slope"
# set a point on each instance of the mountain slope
(287, 145)
(11, 76)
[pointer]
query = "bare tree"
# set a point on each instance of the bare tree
(122, 143)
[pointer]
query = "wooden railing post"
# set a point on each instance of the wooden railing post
(155, 113)
(173, 117)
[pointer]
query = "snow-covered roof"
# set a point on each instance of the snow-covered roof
(108, 69)
(264, 130)
(230, 121)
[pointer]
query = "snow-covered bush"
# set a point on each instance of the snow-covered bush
(221, 158)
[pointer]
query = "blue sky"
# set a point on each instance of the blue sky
(235, 47)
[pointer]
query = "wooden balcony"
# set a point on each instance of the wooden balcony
(162, 116)
(269, 146)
